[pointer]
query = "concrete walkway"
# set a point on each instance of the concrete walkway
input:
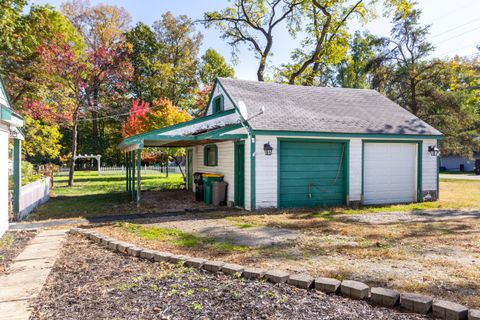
(28, 273)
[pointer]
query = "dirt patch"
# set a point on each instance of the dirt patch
(11, 244)
(413, 216)
(223, 230)
(169, 200)
(91, 282)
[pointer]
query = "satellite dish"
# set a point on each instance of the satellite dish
(242, 108)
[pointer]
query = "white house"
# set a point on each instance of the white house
(10, 122)
(286, 146)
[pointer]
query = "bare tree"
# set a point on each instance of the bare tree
(253, 22)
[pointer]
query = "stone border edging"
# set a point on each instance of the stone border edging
(348, 288)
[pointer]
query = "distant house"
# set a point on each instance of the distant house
(10, 122)
(285, 146)
(458, 163)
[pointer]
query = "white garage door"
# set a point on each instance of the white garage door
(390, 173)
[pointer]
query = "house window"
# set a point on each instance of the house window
(218, 104)
(210, 155)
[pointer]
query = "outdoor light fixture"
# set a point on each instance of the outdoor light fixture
(268, 149)
(434, 151)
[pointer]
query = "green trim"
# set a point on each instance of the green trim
(344, 135)
(217, 132)
(236, 170)
(419, 163)
(206, 150)
(137, 138)
(346, 164)
(189, 169)
(438, 178)
(17, 174)
(420, 171)
(253, 185)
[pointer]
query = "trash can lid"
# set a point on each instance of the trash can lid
(213, 175)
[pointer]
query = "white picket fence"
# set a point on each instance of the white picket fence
(121, 169)
(32, 195)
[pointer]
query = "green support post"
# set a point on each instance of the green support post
(127, 173)
(139, 169)
(17, 174)
(133, 175)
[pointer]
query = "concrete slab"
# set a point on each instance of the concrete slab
(28, 274)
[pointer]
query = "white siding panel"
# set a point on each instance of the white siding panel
(429, 178)
(266, 168)
(390, 173)
(3, 179)
(226, 164)
(355, 193)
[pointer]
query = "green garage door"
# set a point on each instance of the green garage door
(312, 174)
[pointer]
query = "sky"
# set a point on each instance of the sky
(455, 27)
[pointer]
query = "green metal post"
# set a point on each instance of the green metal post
(139, 169)
(133, 175)
(127, 174)
(17, 174)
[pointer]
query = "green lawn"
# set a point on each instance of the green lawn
(94, 195)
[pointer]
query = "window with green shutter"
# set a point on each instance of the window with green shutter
(210, 155)
(217, 104)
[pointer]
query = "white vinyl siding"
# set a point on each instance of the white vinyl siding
(390, 173)
(266, 169)
(355, 170)
(225, 166)
(429, 177)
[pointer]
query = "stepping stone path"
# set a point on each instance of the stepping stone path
(28, 273)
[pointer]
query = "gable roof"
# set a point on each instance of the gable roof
(322, 109)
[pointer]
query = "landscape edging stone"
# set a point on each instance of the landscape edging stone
(352, 289)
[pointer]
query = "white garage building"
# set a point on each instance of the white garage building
(290, 146)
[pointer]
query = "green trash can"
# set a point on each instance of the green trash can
(208, 178)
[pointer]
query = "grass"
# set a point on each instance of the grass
(177, 238)
(94, 195)
(454, 194)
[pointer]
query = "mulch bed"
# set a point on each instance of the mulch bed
(11, 245)
(89, 282)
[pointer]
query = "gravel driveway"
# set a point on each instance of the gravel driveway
(89, 282)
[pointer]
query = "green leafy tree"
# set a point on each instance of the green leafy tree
(42, 141)
(351, 72)
(212, 66)
(144, 56)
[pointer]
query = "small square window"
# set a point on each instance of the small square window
(210, 156)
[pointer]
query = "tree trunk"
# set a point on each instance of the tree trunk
(74, 148)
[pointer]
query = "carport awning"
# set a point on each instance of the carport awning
(197, 138)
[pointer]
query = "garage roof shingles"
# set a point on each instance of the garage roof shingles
(322, 109)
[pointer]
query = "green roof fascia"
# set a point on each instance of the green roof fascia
(218, 132)
(142, 136)
(345, 135)
(214, 134)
